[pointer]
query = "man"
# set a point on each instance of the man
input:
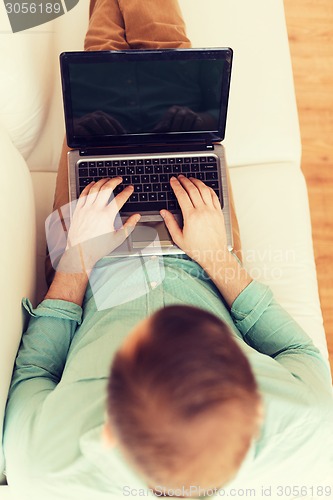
(212, 383)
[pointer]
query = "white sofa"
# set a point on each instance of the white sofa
(262, 145)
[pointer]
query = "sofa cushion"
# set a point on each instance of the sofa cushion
(275, 226)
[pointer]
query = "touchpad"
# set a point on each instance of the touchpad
(151, 233)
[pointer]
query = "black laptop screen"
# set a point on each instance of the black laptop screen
(109, 100)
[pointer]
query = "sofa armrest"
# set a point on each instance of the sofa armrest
(17, 259)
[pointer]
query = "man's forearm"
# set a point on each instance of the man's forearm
(70, 287)
(227, 274)
(67, 285)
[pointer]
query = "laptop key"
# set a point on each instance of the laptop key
(120, 170)
(172, 205)
(212, 159)
(135, 179)
(83, 172)
(213, 184)
(112, 171)
(143, 196)
(83, 164)
(149, 206)
(162, 196)
(152, 196)
(146, 188)
(102, 172)
(130, 170)
(137, 188)
(211, 176)
(157, 187)
(84, 181)
(208, 166)
(139, 170)
(185, 168)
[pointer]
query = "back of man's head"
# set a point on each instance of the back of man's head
(183, 403)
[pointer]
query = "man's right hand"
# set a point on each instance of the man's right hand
(203, 236)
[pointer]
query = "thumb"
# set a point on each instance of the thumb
(130, 224)
(120, 235)
(172, 226)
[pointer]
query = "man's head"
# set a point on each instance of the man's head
(182, 400)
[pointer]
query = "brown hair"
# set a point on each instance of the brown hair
(184, 396)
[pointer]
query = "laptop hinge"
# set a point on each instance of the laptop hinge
(144, 149)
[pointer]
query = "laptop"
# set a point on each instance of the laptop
(147, 115)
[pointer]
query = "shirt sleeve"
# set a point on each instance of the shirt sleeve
(269, 329)
(43, 350)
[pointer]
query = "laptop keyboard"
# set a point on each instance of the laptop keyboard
(150, 178)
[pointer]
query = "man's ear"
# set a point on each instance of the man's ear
(108, 436)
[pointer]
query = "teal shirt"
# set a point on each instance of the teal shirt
(56, 405)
